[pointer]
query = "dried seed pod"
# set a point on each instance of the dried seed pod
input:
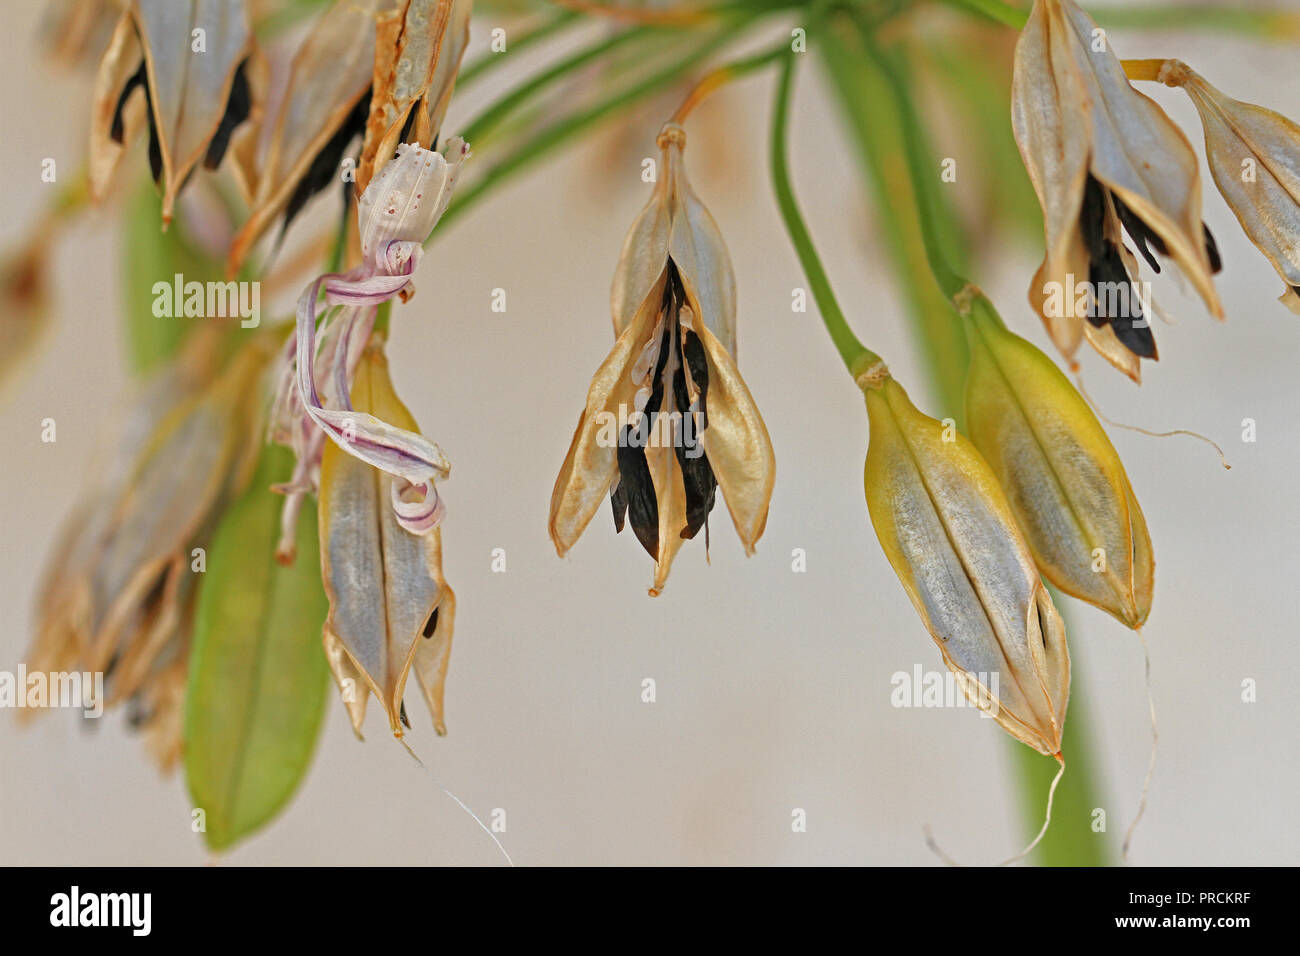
(323, 110)
(673, 304)
(945, 526)
(1103, 159)
(1062, 476)
(390, 607)
(418, 50)
(192, 74)
(1254, 156)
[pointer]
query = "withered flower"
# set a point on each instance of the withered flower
(397, 213)
(1104, 160)
(945, 526)
(390, 608)
(1062, 476)
(1254, 156)
(668, 420)
(191, 74)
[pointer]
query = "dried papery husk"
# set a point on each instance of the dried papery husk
(384, 584)
(1240, 137)
(330, 75)
(118, 597)
(1062, 476)
(418, 47)
(1075, 115)
(188, 91)
(674, 288)
(951, 537)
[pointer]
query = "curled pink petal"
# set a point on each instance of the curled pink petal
(418, 507)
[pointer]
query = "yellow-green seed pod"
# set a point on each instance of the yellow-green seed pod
(1060, 472)
(946, 528)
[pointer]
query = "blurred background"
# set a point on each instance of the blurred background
(773, 686)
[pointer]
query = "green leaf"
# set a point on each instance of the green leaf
(151, 255)
(258, 674)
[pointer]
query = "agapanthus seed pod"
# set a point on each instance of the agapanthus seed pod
(669, 420)
(1254, 156)
(1061, 474)
(390, 608)
(189, 72)
(418, 48)
(1104, 160)
(946, 527)
(323, 110)
(118, 594)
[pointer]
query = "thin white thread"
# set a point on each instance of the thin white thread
(1078, 379)
(1047, 821)
(1155, 742)
(459, 802)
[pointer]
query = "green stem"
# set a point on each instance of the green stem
(477, 129)
(857, 357)
(573, 125)
(531, 37)
(867, 105)
(995, 10)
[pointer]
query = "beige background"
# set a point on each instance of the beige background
(773, 687)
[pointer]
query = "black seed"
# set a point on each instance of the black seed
(642, 507)
(693, 354)
(325, 166)
(402, 715)
(1092, 218)
(431, 624)
(618, 501)
(1135, 335)
(138, 78)
(406, 127)
(1141, 233)
(698, 480)
(1212, 250)
(238, 106)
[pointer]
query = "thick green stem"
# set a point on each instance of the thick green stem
(857, 357)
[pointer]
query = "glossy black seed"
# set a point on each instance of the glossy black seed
(698, 480)
(325, 166)
(431, 624)
(402, 714)
(116, 129)
(1092, 218)
(693, 354)
(638, 488)
(618, 501)
(1212, 250)
(238, 107)
(1141, 233)
(1135, 335)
